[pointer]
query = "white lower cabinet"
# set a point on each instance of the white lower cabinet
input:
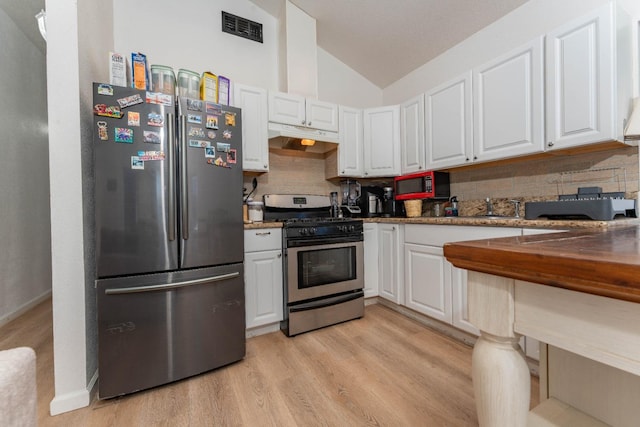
(390, 254)
(263, 276)
(370, 234)
(433, 286)
(427, 281)
(459, 305)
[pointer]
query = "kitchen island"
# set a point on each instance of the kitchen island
(578, 292)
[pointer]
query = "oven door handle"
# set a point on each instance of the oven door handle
(326, 302)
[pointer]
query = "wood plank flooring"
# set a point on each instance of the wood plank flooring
(382, 370)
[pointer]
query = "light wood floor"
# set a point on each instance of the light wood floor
(382, 370)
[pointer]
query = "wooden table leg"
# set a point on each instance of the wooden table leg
(501, 382)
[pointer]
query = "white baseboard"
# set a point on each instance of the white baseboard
(70, 401)
(24, 308)
(261, 330)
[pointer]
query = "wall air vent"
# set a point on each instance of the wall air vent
(241, 27)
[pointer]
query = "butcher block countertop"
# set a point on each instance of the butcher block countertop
(601, 261)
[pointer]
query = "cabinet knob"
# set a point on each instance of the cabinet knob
(466, 160)
(419, 167)
(550, 143)
(366, 173)
(342, 172)
(302, 122)
(309, 123)
(265, 166)
(475, 157)
(280, 255)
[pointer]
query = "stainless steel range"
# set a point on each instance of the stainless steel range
(323, 262)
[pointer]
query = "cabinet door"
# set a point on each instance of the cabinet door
(390, 260)
(508, 104)
(255, 142)
(263, 287)
(579, 89)
(350, 156)
(382, 141)
(322, 115)
(427, 281)
(459, 305)
(449, 123)
(287, 108)
(370, 235)
(412, 135)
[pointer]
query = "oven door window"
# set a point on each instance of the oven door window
(324, 266)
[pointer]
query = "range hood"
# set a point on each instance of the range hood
(289, 137)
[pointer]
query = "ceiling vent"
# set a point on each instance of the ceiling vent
(241, 27)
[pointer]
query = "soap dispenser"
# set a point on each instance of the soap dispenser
(454, 206)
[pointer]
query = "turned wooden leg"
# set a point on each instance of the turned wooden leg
(501, 382)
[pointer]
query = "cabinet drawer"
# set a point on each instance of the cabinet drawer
(262, 239)
(438, 235)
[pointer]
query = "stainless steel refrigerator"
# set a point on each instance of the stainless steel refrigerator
(169, 237)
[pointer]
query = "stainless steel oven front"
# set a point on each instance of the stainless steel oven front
(324, 281)
(323, 270)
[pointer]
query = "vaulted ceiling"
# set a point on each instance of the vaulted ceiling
(384, 40)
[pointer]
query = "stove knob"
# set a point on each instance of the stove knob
(352, 228)
(312, 231)
(304, 231)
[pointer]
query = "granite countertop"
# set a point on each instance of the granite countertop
(487, 222)
(510, 222)
(603, 262)
(258, 225)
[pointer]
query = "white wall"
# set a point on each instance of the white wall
(532, 19)
(341, 84)
(188, 35)
(25, 267)
(72, 52)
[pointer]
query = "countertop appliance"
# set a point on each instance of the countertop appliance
(422, 185)
(371, 201)
(351, 191)
(588, 202)
(323, 263)
(169, 237)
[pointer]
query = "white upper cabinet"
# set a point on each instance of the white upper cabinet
(255, 138)
(449, 123)
(508, 104)
(297, 110)
(350, 155)
(322, 115)
(412, 148)
(588, 72)
(382, 141)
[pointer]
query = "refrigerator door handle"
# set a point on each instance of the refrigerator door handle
(184, 199)
(167, 286)
(172, 175)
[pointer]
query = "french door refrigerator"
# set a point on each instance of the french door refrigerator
(169, 238)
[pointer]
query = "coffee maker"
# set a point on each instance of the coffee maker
(371, 201)
(390, 206)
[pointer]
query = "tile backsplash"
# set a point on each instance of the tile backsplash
(546, 178)
(535, 179)
(292, 172)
